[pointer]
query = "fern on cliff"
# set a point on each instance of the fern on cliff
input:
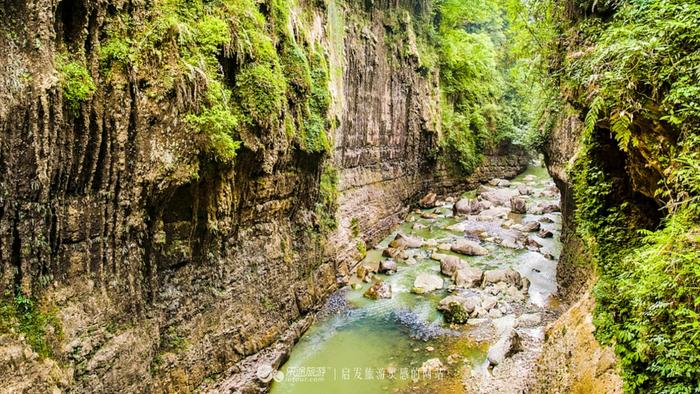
(632, 67)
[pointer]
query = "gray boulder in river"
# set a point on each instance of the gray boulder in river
(426, 282)
(518, 205)
(507, 345)
(387, 267)
(404, 241)
(468, 277)
(530, 226)
(500, 197)
(469, 248)
(450, 264)
(505, 275)
(466, 206)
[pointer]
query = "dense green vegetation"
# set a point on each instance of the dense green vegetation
(235, 67)
(328, 199)
(483, 79)
(485, 74)
(630, 67)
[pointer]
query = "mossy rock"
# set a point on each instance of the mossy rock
(456, 313)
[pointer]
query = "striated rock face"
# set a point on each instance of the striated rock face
(502, 161)
(387, 128)
(163, 269)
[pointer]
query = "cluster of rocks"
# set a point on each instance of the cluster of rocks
(477, 297)
(499, 201)
(497, 290)
(488, 296)
(397, 247)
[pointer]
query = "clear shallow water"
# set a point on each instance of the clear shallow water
(378, 346)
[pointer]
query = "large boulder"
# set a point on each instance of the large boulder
(456, 309)
(494, 213)
(403, 241)
(511, 242)
(544, 233)
(484, 204)
(518, 205)
(437, 256)
(467, 226)
(391, 253)
(543, 208)
(428, 201)
(426, 282)
(468, 277)
(531, 241)
(499, 182)
(508, 344)
(465, 206)
(378, 290)
(469, 248)
(387, 267)
(530, 226)
(500, 197)
(505, 275)
(524, 190)
(450, 264)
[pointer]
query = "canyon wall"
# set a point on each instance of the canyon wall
(165, 271)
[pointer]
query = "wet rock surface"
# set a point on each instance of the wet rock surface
(426, 282)
(468, 277)
(469, 248)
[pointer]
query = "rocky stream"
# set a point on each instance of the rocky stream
(456, 298)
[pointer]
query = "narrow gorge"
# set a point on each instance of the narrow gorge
(238, 196)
